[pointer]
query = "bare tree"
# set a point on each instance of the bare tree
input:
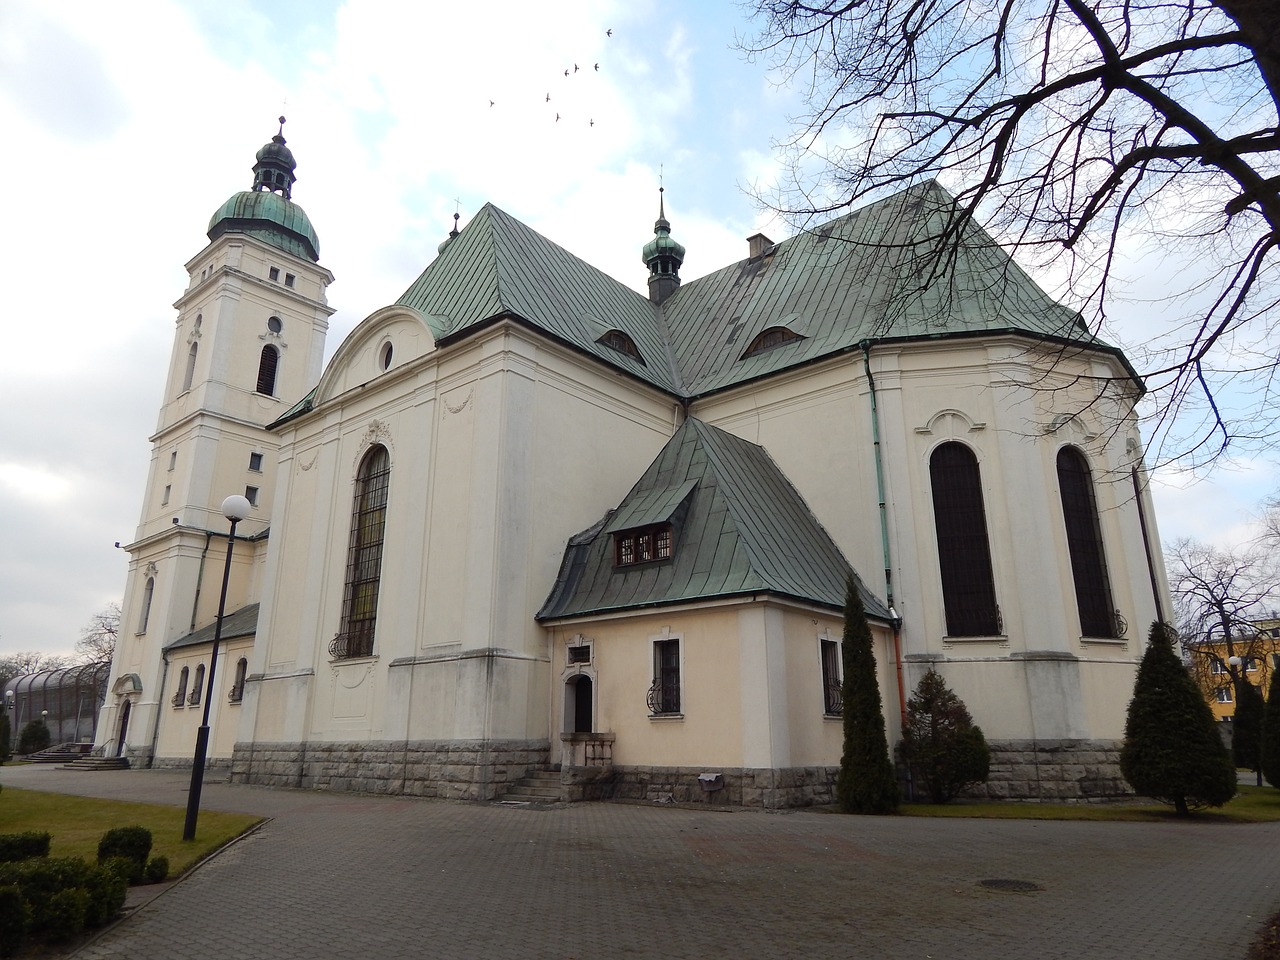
(1072, 128)
(29, 661)
(1218, 598)
(97, 643)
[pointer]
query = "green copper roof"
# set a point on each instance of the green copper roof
(739, 527)
(241, 623)
(497, 267)
(269, 217)
(863, 276)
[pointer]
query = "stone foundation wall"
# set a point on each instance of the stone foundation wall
(768, 789)
(184, 763)
(1053, 770)
(452, 770)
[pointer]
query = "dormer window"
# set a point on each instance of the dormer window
(642, 545)
(617, 340)
(769, 339)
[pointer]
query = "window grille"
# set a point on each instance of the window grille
(364, 558)
(237, 687)
(180, 697)
(832, 695)
(267, 365)
(1084, 544)
(197, 688)
(664, 693)
(642, 545)
(964, 553)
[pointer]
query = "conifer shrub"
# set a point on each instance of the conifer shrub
(1172, 751)
(866, 783)
(1246, 726)
(157, 869)
(35, 737)
(941, 745)
(15, 920)
(133, 843)
(23, 846)
(1270, 752)
(6, 732)
(65, 913)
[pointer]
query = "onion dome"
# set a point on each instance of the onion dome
(266, 211)
(663, 256)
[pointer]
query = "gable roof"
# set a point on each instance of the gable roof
(498, 267)
(241, 623)
(739, 527)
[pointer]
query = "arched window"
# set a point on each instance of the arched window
(769, 339)
(364, 557)
(237, 687)
(1084, 543)
(964, 553)
(191, 367)
(267, 370)
(180, 697)
(619, 341)
(147, 593)
(198, 686)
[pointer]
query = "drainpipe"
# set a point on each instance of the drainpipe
(1146, 543)
(155, 727)
(895, 620)
(195, 604)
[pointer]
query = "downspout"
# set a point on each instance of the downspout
(1146, 543)
(895, 621)
(155, 727)
(208, 536)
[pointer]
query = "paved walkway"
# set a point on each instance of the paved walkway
(336, 875)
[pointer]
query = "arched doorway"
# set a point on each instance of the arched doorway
(124, 725)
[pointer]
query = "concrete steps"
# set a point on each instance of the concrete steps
(97, 763)
(537, 786)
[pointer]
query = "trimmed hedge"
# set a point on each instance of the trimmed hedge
(62, 895)
(15, 920)
(157, 869)
(133, 843)
(23, 846)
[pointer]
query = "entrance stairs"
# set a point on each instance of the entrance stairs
(97, 763)
(536, 786)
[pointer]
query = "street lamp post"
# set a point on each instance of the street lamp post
(235, 509)
(1238, 680)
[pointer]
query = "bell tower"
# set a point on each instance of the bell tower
(248, 344)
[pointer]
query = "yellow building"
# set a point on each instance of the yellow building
(1258, 654)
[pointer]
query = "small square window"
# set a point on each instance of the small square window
(580, 654)
(251, 494)
(255, 462)
(643, 545)
(173, 459)
(288, 279)
(274, 273)
(165, 499)
(1224, 694)
(1217, 667)
(1250, 665)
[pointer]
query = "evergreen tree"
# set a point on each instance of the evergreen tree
(1271, 731)
(1246, 726)
(1172, 751)
(35, 737)
(940, 743)
(6, 734)
(867, 783)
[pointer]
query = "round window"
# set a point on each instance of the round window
(386, 356)
(274, 324)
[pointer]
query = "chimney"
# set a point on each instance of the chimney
(757, 244)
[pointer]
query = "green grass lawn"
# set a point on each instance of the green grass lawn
(78, 823)
(1251, 805)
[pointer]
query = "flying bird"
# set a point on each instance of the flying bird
(597, 68)
(591, 123)
(557, 118)
(491, 103)
(548, 98)
(609, 32)
(575, 68)
(566, 71)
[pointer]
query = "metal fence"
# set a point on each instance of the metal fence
(68, 700)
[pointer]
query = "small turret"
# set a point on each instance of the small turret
(663, 256)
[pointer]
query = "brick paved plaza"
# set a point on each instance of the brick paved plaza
(334, 875)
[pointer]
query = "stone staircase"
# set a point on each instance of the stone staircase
(59, 753)
(536, 786)
(97, 763)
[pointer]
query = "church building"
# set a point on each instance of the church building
(527, 519)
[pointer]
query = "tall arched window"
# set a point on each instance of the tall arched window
(237, 686)
(364, 557)
(180, 697)
(147, 593)
(191, 367)
(964, 553)
(267, 365)
(1084, 543)
(197, 688)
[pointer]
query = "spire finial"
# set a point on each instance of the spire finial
(279, 137)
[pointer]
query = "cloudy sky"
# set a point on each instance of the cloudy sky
(129, 124)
